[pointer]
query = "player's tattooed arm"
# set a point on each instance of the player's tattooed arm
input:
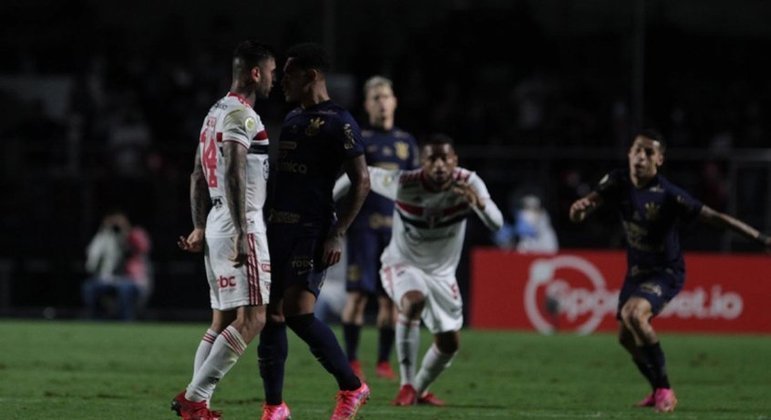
(235, 195)
(726, 222)
(585, 206)
(199, 207)
(199, 194)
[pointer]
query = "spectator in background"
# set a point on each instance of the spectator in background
(531, 231)
(118, 260)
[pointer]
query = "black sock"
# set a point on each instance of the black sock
(323, 344)
(272, 352)
(654, 353)
(351, 333)
(385, 343)
(645, 367)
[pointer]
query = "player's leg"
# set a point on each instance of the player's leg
(386, 322)
(443, 316)
(648, 299)
(386, 315)
(361, 275)
(273, 347)
(238, 297)
(352, 321)
(627, 341)
(406, 286)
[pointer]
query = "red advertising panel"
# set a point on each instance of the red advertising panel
(577, 291)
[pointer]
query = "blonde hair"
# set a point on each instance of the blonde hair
(377, 81)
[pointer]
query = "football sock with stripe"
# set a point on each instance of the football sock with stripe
(204, 347)
(225, 351)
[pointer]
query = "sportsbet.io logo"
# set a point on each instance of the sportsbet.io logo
(568, 293)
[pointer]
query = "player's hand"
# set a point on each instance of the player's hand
(240, 251)
(333, 249)
(580, 208)
(193, 242)
(464, 189)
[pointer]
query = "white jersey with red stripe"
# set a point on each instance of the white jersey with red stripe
(429, 225)
(233, 119)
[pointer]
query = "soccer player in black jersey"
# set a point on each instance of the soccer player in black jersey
(318, 139)
(651, 209)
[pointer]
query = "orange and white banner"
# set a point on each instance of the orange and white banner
(577, 291)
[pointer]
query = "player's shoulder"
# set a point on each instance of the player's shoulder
(402, 135)
(410, 178)
(615, 176)
(463, 174)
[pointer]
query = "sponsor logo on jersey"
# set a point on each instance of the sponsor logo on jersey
(293, 167)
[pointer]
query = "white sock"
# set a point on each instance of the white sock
(204, 347)
(225, 352)
(407, 346)
(434, 363)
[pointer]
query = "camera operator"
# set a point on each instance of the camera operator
(117, 260)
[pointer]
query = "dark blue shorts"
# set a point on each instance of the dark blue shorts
(364, 249)
(295, 258)
(658, 288)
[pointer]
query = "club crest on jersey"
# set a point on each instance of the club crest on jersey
(314, 126)
(402, 150)
(652, 211)
(432, 215)
(349, 140)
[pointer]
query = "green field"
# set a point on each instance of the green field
(118, 371)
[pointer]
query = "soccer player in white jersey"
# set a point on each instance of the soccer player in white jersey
(419, 264)
(229, 180)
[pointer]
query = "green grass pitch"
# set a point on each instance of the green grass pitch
(76, 370)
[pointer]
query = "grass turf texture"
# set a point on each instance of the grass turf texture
(131, 371)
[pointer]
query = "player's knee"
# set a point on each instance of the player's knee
(413, 303)
(635, 316)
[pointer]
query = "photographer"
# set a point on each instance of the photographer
(117, 260)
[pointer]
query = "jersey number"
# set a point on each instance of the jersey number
(209, 157)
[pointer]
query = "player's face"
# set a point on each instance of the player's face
(438, 162)
(293, 82)
(380, 104)
(267, 77)
(645, 157)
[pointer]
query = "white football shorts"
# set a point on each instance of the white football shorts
(444, 305)
(231, 287)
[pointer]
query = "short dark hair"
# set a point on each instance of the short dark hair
(653, 134)
(309, 55)
(437, 139)
(251, 53)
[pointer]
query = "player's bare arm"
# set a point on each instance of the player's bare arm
(585, 206)
(726, 222)
(356, 169)
(235, 195)
(199, 207)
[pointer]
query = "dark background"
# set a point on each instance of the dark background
(101, 104)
